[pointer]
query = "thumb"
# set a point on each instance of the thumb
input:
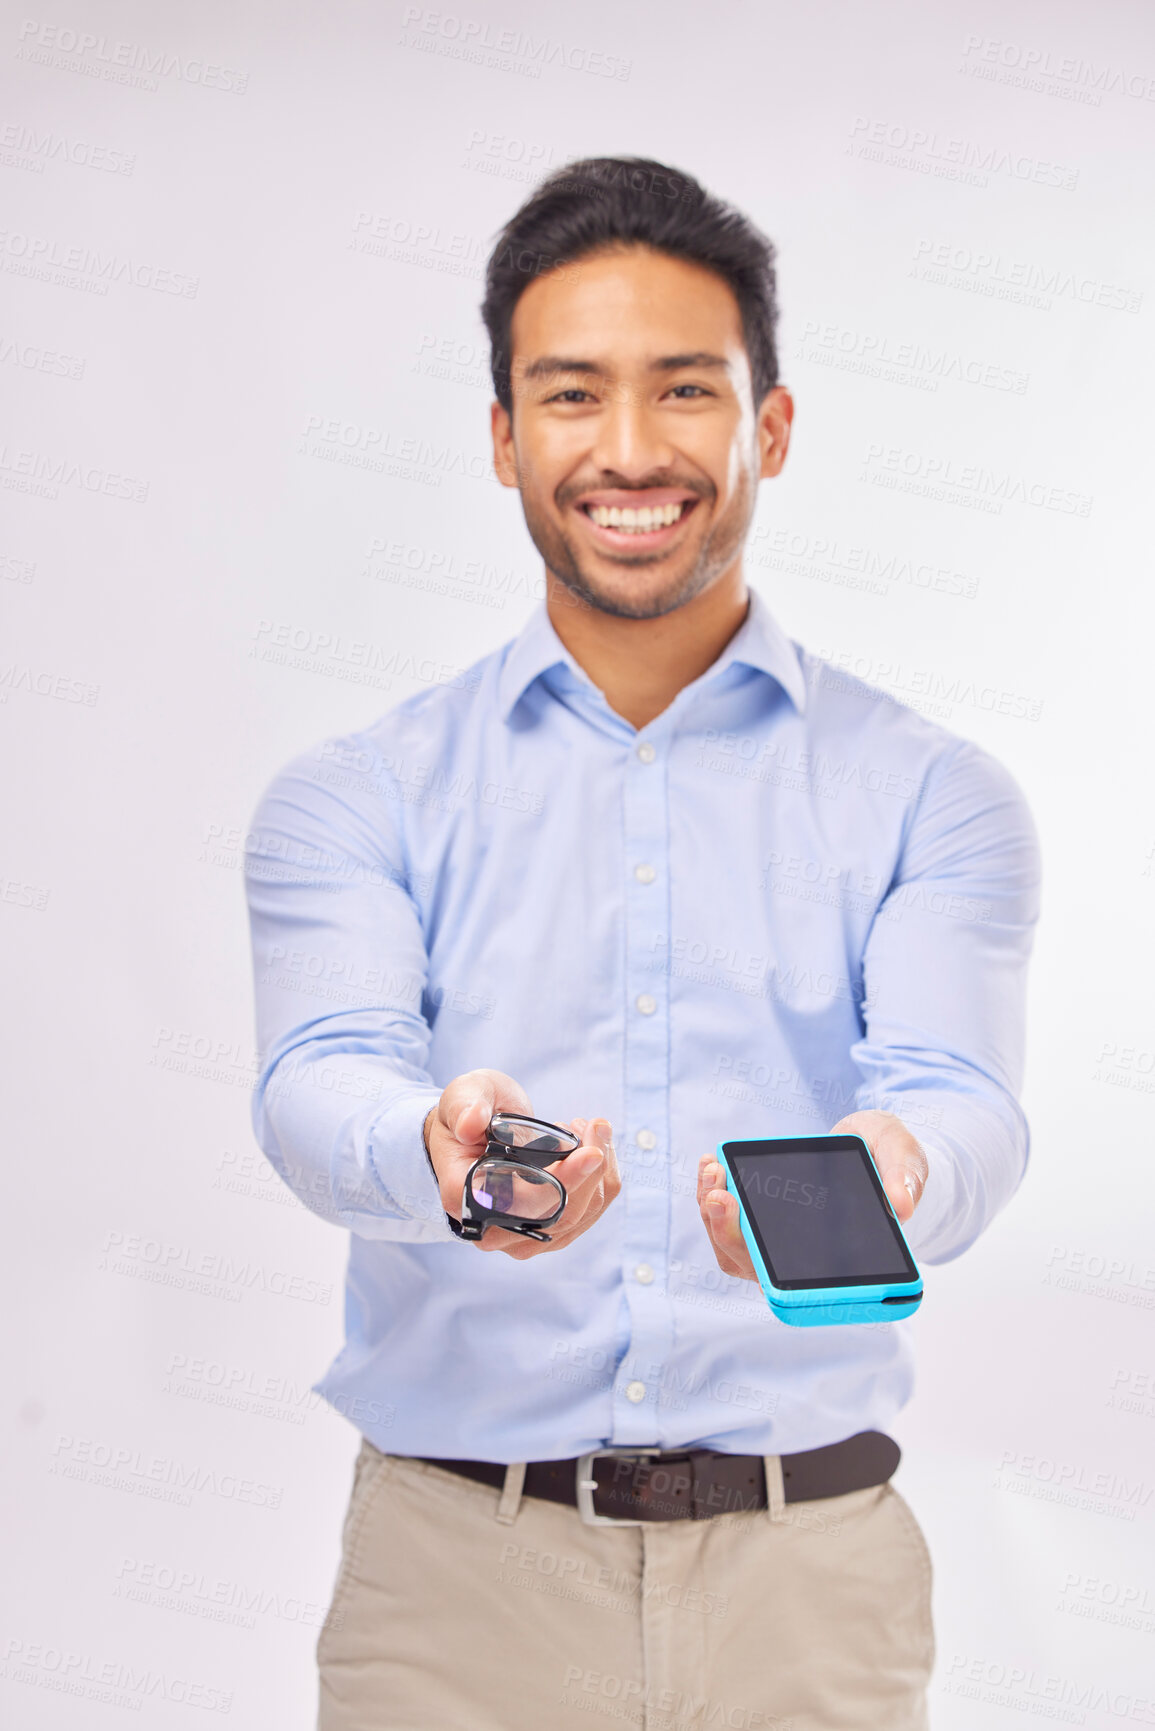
(904, 1188)
(470, 1101)
(473, 1116)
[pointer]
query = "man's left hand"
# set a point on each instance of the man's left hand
(897, 1154)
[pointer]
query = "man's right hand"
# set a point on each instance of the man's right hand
(455, 1136)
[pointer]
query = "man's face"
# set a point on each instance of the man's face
(635, 440)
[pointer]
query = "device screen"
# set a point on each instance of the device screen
(819, 1212)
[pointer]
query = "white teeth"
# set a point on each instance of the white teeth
(637, 522)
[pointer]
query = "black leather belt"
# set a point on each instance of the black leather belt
(625, 1486)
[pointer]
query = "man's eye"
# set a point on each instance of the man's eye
(696, 389)
(574, 395)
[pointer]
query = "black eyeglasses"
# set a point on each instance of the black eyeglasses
(507, 1186)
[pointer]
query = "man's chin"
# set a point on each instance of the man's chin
(638, 600)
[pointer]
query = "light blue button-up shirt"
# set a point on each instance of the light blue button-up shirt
(786, 898)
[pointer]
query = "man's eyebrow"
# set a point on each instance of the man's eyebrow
(548, 364)
(699, 358)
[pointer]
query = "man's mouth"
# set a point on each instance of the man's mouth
(642, 520)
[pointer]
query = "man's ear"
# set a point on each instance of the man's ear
(504, 456)
(775, 418)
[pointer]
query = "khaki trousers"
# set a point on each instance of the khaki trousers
(462, 1608)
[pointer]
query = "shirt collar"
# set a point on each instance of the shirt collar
(759, 642)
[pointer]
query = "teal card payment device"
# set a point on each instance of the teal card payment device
(824, 1240)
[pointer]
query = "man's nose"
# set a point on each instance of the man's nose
(630, 441)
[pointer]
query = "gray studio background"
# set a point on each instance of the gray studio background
(248, 503)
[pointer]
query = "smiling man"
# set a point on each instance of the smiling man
(654, 861)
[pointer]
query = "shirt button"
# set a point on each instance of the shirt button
(644, 1273)
(635, 1391)
(646, 1139)
(645, 874)
(646, 1004)
(646, 752)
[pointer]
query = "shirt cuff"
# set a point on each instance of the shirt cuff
(401, 1166)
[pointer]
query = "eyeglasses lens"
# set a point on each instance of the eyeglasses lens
(508, 1188)
(533, 1136)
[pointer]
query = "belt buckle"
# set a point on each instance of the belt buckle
(587, 1485)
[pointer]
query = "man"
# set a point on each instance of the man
(650, 861)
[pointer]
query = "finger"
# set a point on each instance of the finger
(603, 1134)
(470, 1101)
(613, 1170)
(720, 1213)
(468, 1122)
(584, 1183)
(898, 1156)
(902, 1167)
(903, 1186)
(513, 1244)
(595, 1155)
(591, 1178)
(711, 1176)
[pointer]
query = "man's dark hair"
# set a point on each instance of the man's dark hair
(608, 201)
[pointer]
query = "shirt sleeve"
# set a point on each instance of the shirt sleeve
(945, 989)
(340, 970)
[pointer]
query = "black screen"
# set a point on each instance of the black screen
(819, 1212)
